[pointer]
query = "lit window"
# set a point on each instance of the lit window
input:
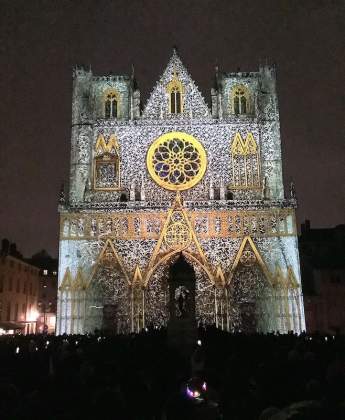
(111, 105)
(45, 272)
(175, 90)
(240, 100)
(175, 101)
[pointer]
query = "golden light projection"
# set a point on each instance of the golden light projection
(178, 234)
(176, 161)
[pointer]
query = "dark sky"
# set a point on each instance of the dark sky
(41, 41)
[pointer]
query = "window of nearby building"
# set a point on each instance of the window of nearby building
(23, 310)
(8, 315)
(45, 272)
(16, 312)
(10, 284)
(54, 273)
(18, 286)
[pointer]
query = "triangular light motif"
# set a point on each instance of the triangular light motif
(194, 105)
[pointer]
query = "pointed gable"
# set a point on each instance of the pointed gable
(176, 75)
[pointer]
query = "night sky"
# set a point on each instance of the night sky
(41, 42)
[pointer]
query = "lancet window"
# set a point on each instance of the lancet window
(111, 104)
(240, 100)
(175, 90)
(107, 164)
(245, 160)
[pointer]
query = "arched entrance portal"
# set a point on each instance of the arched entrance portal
(165, 288)
(181, 290)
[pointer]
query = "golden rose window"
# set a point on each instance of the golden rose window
(176, 161)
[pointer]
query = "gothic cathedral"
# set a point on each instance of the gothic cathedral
(174, 185)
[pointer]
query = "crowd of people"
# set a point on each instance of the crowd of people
(141, 377)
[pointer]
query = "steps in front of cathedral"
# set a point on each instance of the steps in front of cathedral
(182, 335)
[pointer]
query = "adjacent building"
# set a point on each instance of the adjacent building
(19, 285)
(323, 273)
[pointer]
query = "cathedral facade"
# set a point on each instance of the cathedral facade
(177, 180)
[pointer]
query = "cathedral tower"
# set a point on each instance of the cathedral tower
(177, 180)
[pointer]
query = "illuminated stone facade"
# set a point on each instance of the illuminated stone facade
(176, 178)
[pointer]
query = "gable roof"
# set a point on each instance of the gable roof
(194, 105)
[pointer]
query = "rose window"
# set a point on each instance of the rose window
(177, 235)
(176, 161)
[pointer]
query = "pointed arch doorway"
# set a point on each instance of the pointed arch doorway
(181, 290)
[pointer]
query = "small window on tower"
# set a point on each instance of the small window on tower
(240, 100)
(111, 105)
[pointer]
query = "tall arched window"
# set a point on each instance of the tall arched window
(240, 100)
(175, 90)
(175, 101)
(107, 164)
(111, 103)
(245, 160)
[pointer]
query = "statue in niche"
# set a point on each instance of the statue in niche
(264, 190)
(181, 301)
(62, 196)
(292, 190)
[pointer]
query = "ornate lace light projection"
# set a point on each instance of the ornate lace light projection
(178, 234)
(107, 164)
(108, 295)
(121, 227)
(176, 161)
(245, 159)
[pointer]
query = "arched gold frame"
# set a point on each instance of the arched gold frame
(245, 149)
(246, 95)
(118, 100)
(104, 149)
(175, 83)
(185, 138)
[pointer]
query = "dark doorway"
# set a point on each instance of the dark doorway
(182, 323)
(248, 317)
(181, 290)
(109, 324)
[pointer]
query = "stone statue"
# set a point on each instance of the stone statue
(142, 189)
(292, 190)
(181, 301)
(264, 189)
(222, 189)
(132, 191)
(62, 196)
(211, 195)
